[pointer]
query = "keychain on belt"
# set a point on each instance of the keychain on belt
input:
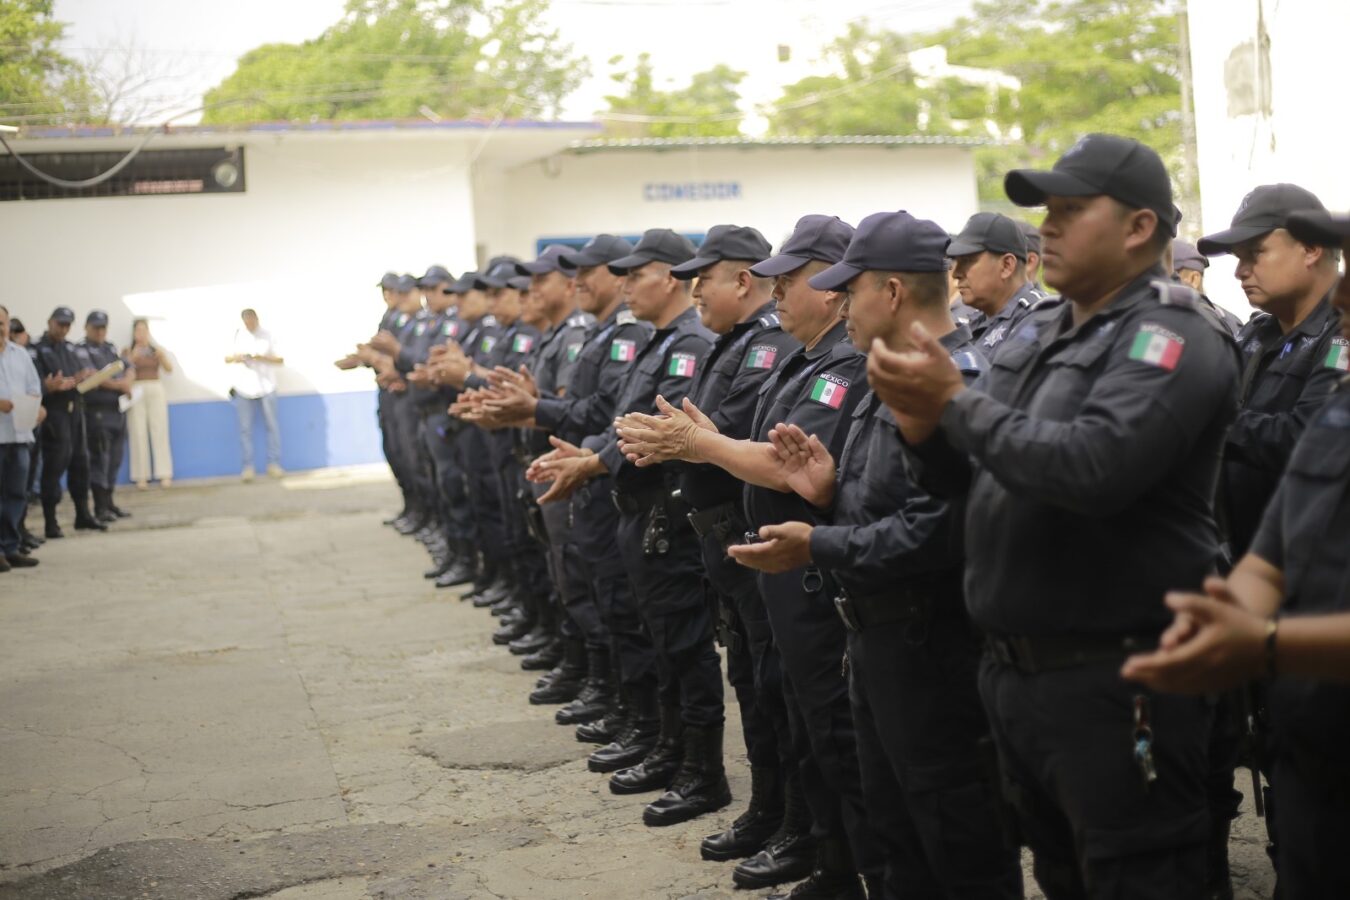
(1143, 741)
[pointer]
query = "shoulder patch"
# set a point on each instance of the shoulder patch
(420, 329)
(761, 356)
(621, 350)
(829, 389)
(522, 343)
(625, 317)
(1155, 345)
(487, 343)
(450, 329)
(1338, 357)
(401, 320)
(573, 351)
(682, 365)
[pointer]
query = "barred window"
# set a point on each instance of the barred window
(213, 170)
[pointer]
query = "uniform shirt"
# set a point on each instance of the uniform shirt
(428, 330)
(593, 386)
(968, 316)
(882, 525)
(512, 347)
(666, 366)
(1285, 380)
(816, 389)
(18, 376)
(1094, 450)
(1306, 533)
(254, 378)
(60, 358)
(989, 332)
(727, 391)
(555, 357)
(101, 355)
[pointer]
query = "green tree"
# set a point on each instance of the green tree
(708, 107)
(399, 58)
(38, 84)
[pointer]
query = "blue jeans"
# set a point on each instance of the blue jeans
(247, 409)
(13, 494)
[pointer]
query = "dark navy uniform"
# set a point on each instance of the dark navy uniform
(1093, 450)
(407, 417)
(659, 547)
(967, 315)
(105, 428)
(1305, 534)
(479, 340)
(727, 391)
(1285, 380)
(65, 450)
(913, 657)
(816, 389)
(392, 321)
(990, 332)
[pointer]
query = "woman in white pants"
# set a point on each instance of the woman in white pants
(148, 418)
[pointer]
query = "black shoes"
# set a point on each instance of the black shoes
(564, 682)
(658, 767)
(751, 831)
(700, 785)
(17, 561)
(594, 699)
(546, 657)
(790, 853)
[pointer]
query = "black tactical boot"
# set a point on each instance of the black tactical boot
(102, 512)
(593, 701)
(546, 657)
(790, 853)
(112, 505)
(84, 520)
(567, 684)
(544, 627)
(660, 764)
(833, 878)
(751, 831)
(700, 786)
(615, 719)
(639, 735)
(485, 578)
(51, 528)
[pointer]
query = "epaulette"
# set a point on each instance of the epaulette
(488, 321)
(970, 362)
(625, 317)
(770, 321)
(580, 320)
(1046, 301)
(1174, 293)
(665, 345)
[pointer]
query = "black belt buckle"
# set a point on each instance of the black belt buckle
(847, 614)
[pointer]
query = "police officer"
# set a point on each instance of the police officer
(660, 550)
(365, 355)
(817, 387)
(105, 423)
(65, 451)
(1032, 235)
(737, 305)
(1188, 267)
(604, 706)
(1088, 454)
(989, 262)
(912, 653)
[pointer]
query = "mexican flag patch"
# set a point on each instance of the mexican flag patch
(487, 343)
(682, 364)
(1157, 346)
(522, 344)
(573, 351)
(1338, 357)
(623, 351)
(421, 329)
(450, 329)
(829, 390)
(761, 356)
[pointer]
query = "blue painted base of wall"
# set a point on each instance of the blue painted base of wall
(317, 430)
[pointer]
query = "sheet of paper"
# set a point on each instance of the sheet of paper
(25, 412)
(127, 401)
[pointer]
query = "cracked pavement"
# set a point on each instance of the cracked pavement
(250, 691)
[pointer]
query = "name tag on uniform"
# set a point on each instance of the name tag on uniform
(1338, 357)
(621, 350)
(522, 344)
(761, 356)
(829, 390)
(682, 365)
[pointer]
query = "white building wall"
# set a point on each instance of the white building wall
(617, 190)
(1266, 108)
(320, 220)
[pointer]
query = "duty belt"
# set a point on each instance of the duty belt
(908, 602)
(1045, 653)
(639, 501)
(723, 521)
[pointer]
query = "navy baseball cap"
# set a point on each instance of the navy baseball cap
(599, 250)
(888, 242)
(1186, 256)
(1101, 164)
(1031, 234)
(815, 237)
(725, 242)
(435, 275)
(461, 285)
(16, 327)
(1262, 211)
(519, 282)
(406, 283)
(1316, 227)
(551, 260)
(657, 245)
(496, 277)
(63, 314)
(989, 232)
(98, 318)
(389, 281)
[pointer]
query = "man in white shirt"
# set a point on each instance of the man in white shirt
(255, 360)
(19, 385)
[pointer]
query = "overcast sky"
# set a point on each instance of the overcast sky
(197, 42)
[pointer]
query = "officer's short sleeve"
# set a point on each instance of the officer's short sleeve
(1269, 541)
